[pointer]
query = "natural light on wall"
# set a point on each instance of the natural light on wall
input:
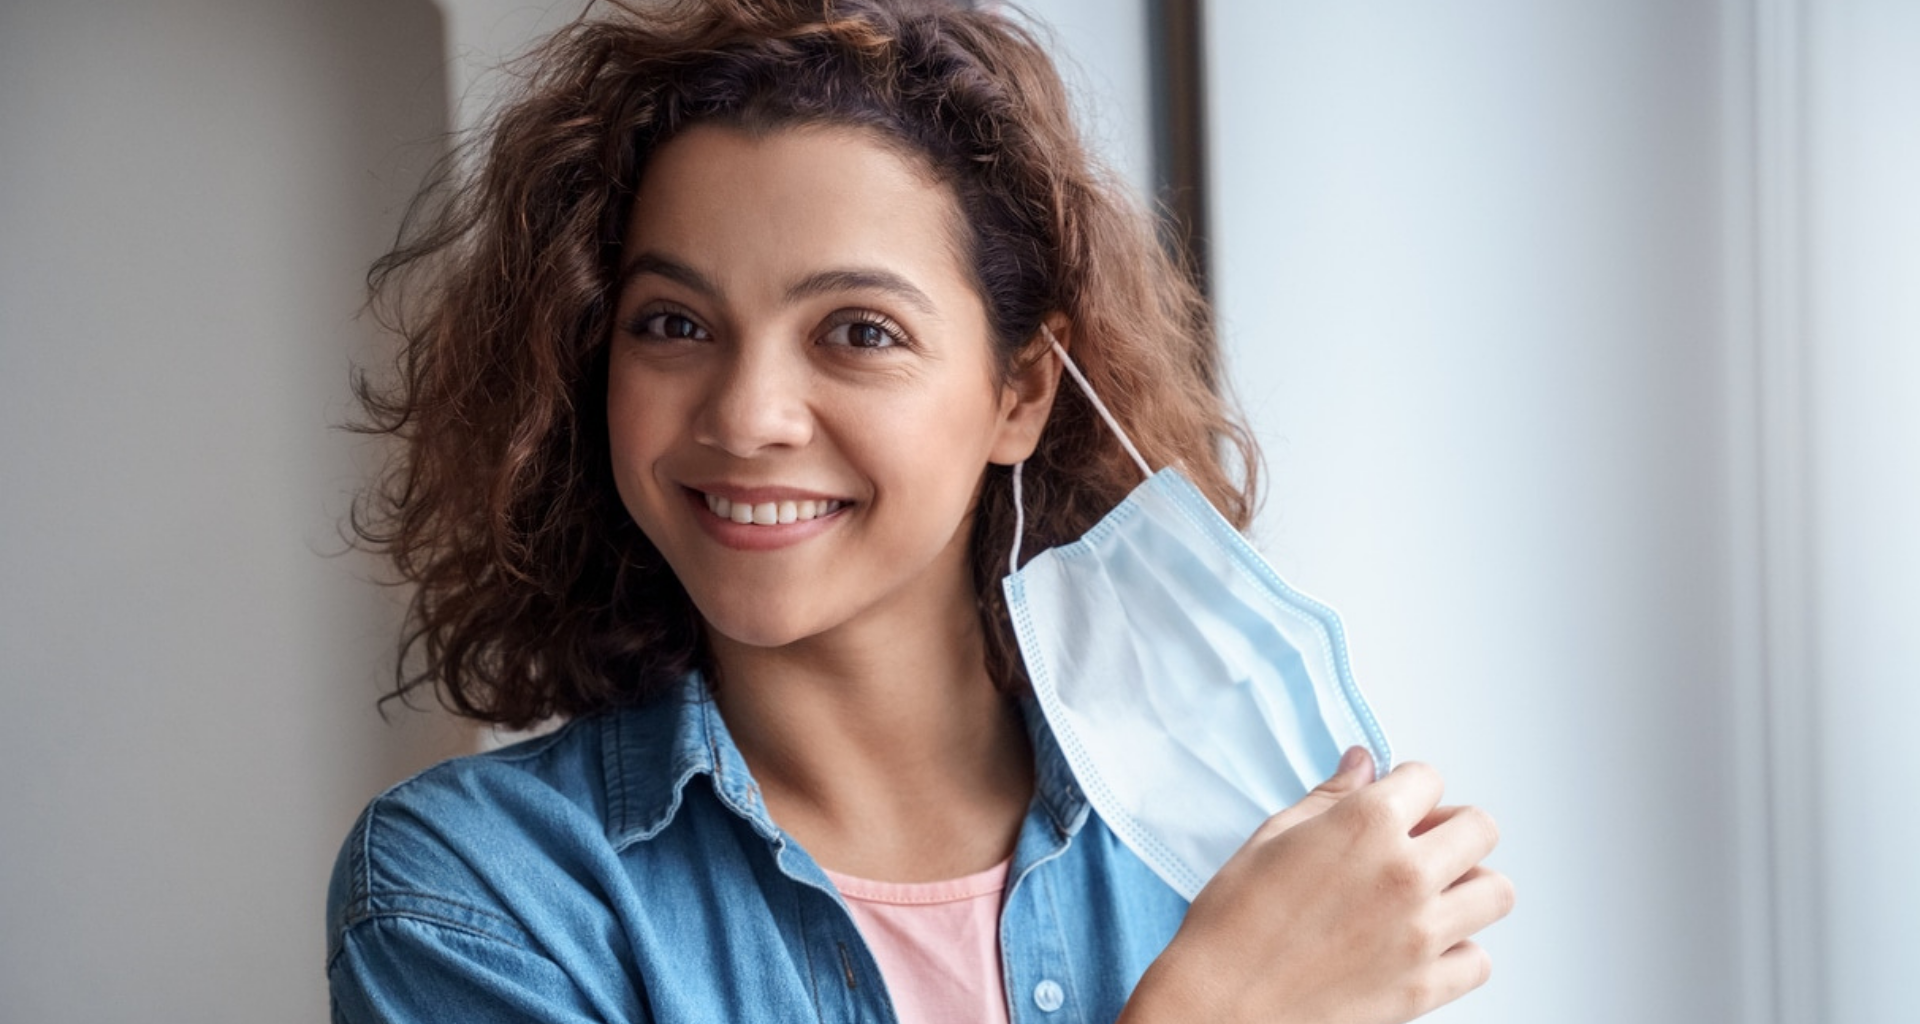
(1583, 340)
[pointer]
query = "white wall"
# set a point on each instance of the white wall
(482, 38)
(1862, 363)
(1466, 263)
(189, 194)
(1100, 45)
(1583, 341)
(1101, 48)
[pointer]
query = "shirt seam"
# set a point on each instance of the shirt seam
(361, 868)
(453, 924)
(945, 890)
(365, 901)
(369, 912)
(920, 901)
(637, 813)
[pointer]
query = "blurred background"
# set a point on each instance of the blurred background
(1583, 338)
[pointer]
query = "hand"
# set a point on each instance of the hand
(1353, 906)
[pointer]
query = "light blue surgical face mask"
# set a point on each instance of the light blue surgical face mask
(1192, 691)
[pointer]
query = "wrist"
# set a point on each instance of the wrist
(1167, 995)
(1176, 991)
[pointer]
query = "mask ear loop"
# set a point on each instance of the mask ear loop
(1073, 370)
(1019, 520)
(1100, 407)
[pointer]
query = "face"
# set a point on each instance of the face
(802, 396)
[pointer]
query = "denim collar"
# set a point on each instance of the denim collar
(650, 752)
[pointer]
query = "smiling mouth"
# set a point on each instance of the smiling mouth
(771, 513)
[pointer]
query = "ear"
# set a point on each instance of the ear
(1027, 399)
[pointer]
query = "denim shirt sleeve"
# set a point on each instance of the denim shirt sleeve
(407, 968)
(451, 901)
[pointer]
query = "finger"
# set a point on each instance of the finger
(1354, 771)
(1434, 817)
(1475, 872)
(1455, 973)
(1405, 796)
(1461, 839)
(1477, 900)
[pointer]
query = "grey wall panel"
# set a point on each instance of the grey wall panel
(1467, 258)
(189, 196)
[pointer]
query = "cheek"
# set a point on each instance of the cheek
(932, 453)
(637, 420)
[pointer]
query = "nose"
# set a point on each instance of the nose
(757, 402)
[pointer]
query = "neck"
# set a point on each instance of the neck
(883, 747)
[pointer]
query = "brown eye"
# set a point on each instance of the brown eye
(864, 334)
(672, 326)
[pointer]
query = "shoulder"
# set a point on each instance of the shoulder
(479, 890)
(433, 847)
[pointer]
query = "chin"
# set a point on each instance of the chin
(761, 626)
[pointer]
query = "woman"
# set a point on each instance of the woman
(714, 370)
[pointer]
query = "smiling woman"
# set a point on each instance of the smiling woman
(713, 376)
(537, 595)
(770, 324)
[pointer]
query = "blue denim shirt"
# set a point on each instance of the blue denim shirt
(625, 869)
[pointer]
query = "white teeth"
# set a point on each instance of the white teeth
(770, 513)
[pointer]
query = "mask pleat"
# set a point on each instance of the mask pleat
(1108, 683)
(1192, 692)
(1206, 701)
(1232, 615)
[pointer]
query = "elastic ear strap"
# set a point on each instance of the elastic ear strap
(1019, 502)
(1098, 406)
(1019, 519)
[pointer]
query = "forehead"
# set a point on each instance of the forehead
(747, 206)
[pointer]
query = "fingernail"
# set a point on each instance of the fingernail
(1352, 760)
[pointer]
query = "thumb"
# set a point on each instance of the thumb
(1355, 770)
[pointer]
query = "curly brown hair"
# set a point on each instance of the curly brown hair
(535, 595)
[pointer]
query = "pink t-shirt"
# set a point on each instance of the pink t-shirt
(938, 944)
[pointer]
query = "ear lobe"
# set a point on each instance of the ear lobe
(1028, 399)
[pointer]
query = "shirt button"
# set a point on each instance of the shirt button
(1048, 995)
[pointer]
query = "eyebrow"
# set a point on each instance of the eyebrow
(862, 279)
(867, 279)
(672, 270)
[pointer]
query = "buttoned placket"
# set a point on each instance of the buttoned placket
(1034, 956)
(1036, 962)
(847, 983)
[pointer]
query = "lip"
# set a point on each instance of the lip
(747, 537)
